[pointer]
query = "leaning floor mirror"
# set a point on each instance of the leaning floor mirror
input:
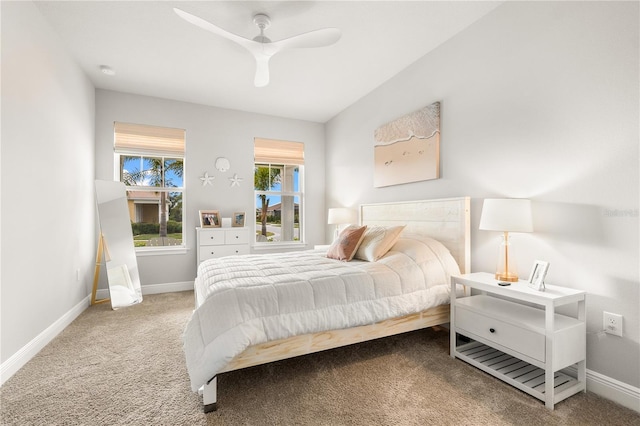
(116, 239)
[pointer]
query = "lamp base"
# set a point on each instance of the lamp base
(506, 269)
(508, 277)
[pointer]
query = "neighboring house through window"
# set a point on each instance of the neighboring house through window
(150, 162)
(278, 183)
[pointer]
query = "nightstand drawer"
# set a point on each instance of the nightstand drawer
(209, 252)
(524, 341)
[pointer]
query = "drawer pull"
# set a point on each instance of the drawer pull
(492, 330)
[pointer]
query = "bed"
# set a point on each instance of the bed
(256, 309)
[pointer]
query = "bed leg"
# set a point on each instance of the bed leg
(209, 396)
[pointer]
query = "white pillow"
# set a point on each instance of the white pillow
(377, 241)
(422, 249)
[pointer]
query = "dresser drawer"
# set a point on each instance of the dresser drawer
(519, 339)
(209, 252)
(209, 237)
(236, 236)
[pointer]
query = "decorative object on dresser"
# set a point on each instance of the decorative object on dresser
(256, 309)
(238, 219)
(520, 344)
(221, 242)
(538, 272)
(408, 149)
(506, 215)
(210, 219)
(340, 216)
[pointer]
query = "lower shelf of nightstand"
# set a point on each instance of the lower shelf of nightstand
(522, 375)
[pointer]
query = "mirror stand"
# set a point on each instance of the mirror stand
(96, 274)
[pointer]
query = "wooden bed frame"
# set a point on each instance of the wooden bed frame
(446, 220)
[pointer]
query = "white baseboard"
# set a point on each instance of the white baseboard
(612, 389)
(167, 287)
(153, 289)
(20, 358)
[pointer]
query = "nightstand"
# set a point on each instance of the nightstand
(514, 334)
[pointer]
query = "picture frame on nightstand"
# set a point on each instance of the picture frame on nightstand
(538, 272)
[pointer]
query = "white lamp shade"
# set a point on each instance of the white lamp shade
(506, 214)
(341, 215)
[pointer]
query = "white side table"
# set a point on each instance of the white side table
(522, 345)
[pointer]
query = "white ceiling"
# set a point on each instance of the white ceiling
(156, 53)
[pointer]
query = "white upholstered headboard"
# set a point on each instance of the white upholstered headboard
(446, 220)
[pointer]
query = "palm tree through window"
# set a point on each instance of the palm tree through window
(278, 184)
(151, 164)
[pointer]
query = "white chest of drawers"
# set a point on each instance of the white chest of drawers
(515, 341)
(218, 242)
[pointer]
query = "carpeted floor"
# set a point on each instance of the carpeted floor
(126, 367)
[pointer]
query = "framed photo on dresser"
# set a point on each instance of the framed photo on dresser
(210, 219)
(238, 219)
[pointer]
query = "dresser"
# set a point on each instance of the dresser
(515, 334)
(218, 242)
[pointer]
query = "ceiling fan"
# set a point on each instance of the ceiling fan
(261, 47)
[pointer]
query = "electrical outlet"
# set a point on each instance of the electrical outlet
(612, 323)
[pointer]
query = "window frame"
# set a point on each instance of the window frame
(281, 193)
(164, 157)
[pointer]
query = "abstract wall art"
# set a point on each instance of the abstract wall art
(408, 148)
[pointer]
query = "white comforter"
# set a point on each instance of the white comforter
(251, 299)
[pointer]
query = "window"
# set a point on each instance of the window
(278, 183)
(150, 162)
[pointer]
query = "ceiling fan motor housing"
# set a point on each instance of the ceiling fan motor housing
(263, 22)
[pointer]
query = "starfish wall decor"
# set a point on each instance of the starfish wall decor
(206, 179)
(235, 180)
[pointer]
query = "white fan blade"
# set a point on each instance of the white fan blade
(262, 52)
(246, 43)
(262, 70)
(317, 38)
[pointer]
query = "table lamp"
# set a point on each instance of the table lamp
(506, 215)
(340, 216)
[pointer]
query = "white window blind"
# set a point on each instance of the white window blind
(142, 139)
(269, 151)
